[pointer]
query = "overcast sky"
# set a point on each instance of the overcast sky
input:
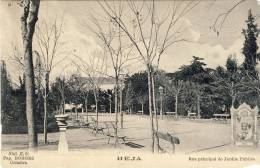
(206, 44)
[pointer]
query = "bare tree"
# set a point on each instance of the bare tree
(119, 53)
(48, 38)
(17, 61)
(28, 20)
(150, 33)
(95, 68)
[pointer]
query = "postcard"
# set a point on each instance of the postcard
(130, 83)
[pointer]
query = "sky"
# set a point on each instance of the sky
(214, 48)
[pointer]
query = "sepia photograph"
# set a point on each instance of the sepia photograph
(130, 83)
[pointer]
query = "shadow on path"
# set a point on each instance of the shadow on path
(133, 145)
(209, 148)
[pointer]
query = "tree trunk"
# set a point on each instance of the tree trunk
(46, 92)
(45, 120)
(30, 106)
(28, 21)
(110, 105)
(161, 106)
(61, 109)
(76, 111)
(150, 106)
(176, 104)
(63, 106)
(120, 108)
(232, 94)
(233, 100)
(198, 106)
(142, 108)
(39, 94)
(156, 116)
(96, 103)
(116, 112)
(86, 106)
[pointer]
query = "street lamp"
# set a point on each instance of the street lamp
(161, 94)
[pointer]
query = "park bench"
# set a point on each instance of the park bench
(111, 133)
(73, 122)
(83, 122)
(223, 117)
(77, 122)
(174, 114)
(95, 127)
(140, 112)
(169, 138)
(192, 115)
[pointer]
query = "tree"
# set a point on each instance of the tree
(136, 87)
(198, 89)
(250, 69)
(250, 45)
(227, 81)
(129, 95)
(18, 61)
(191, 96)
(28, 20)
(48, 38)
(13, 104)
(95, 69)
(60, 87)
(173, 88)
(232, 65)
(119, 53)
(142, 98)
(188, 96)
(5, 94)
(121, 87)
(79, 89)
(194, 72)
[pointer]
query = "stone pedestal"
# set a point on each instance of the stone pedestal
(61, 121)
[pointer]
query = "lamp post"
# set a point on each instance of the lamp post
(161, 106)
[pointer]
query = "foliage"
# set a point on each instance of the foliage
(13, 116)
(250, 45)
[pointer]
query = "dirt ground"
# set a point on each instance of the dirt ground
(196, 136)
